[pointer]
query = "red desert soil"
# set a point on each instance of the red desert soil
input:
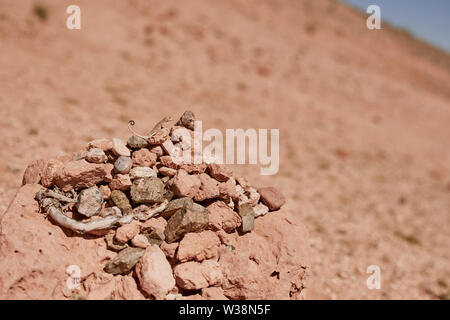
(363, 116)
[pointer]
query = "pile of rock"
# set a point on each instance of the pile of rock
(176, 227)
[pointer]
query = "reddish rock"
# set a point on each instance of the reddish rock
(169, 249)
(33, 173)
(194, 168)
(227, 190)
(106, 191)
(168, 172)
(120, 182)
(50, 171)
(155, 273)
(220, 172)
(209, 188)
(103, 144)
(126, 289)
(194, 275)
(153, 224)
(143, 158)
(278, 245)
(185, 185)
(213, 293)
(223, 217)
(79, 174)
(140, 241)
(198, 246)
(157, 150)
(127, 231)
(272, 198)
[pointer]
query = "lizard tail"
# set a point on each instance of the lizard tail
(132, 123)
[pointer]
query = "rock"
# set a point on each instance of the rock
(227, 190)
(176, 204)
(123, 164)
(245, 209)
(260, 210)
(154, 224)
(121, 201)
(142, 172)
(247, 223)
(96, 155)
(156, 237)
(187, 120)
(167, 161)
(194, 275)
(112, 244)
(111, 211)
(124, 261)
(50, 172)
(222, 217)
(278, 244)
(79, 174)
(106, 191)
(126, 289)
(183, 221)
(33, 173)
(168, 172)
(168, 147)
(155, 273)
(90, 201)
(169, 249)
(103, 144)
(147, 190)
(109, 167)
(198, 246)
(127, 232)
(213, 293)
(220, 172)
(158, 150)
(272, 198)
(135, 142)
(119, 148)
(143, 158)
(120, 182)
(140, 241)
(185, 185)
(209, 188)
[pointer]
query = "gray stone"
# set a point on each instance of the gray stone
(156, 237)
(135, 142)
(125, 260)
(147, 190)
(187, 120)
(123, 164)
(248, 222)
(176, 204)
(121, 201)
(90, 201)
(183, 221)
(245, 209)
(111, 211)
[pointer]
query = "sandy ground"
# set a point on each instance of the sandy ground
(363, 115)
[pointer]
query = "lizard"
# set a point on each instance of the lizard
(158, 134)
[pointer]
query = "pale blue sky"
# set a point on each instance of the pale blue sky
(426, 19)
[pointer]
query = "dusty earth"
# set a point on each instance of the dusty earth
(363, 116)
